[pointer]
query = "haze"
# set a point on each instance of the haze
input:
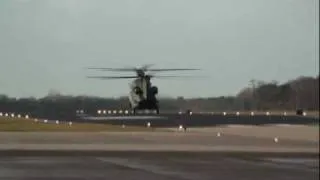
(46, 44)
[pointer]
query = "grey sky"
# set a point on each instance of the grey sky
(46, 44)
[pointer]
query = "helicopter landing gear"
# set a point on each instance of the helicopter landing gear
(147, 106)
(154, 109)
(136, 110)
(157, 111)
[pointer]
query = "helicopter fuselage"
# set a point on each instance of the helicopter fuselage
(142, 95)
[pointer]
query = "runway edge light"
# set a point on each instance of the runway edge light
(180, 127)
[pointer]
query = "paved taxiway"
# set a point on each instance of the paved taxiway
(290, 137)
(144, 141)
(196, 154)
(157, 167)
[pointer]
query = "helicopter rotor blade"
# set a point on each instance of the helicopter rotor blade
(143, 68)
(112, 77)
(113, 69)
(167, 77)
(173, 69)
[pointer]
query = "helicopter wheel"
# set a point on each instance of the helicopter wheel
(157, 110)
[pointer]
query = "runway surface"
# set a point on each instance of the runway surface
(195, 154)
(235, 137)
(222, 152)
(197, 120)
(157, 167)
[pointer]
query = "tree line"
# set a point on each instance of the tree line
(302, 92)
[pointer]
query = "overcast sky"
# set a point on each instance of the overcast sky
(45, 44)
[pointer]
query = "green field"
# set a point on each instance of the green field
(29, 125)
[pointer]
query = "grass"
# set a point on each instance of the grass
(29, 125)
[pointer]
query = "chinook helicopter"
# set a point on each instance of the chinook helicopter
(142, 95)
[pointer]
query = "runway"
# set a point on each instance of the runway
(157, 167)
(214, 153)
(219, 152)
(197, 120)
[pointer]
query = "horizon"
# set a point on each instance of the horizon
(46, 44)
(53, 92)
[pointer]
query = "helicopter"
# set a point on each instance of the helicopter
(142, 95)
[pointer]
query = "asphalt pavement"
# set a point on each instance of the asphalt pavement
(155, 155)
(164, 166)
(197, 120)
(220, 153)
